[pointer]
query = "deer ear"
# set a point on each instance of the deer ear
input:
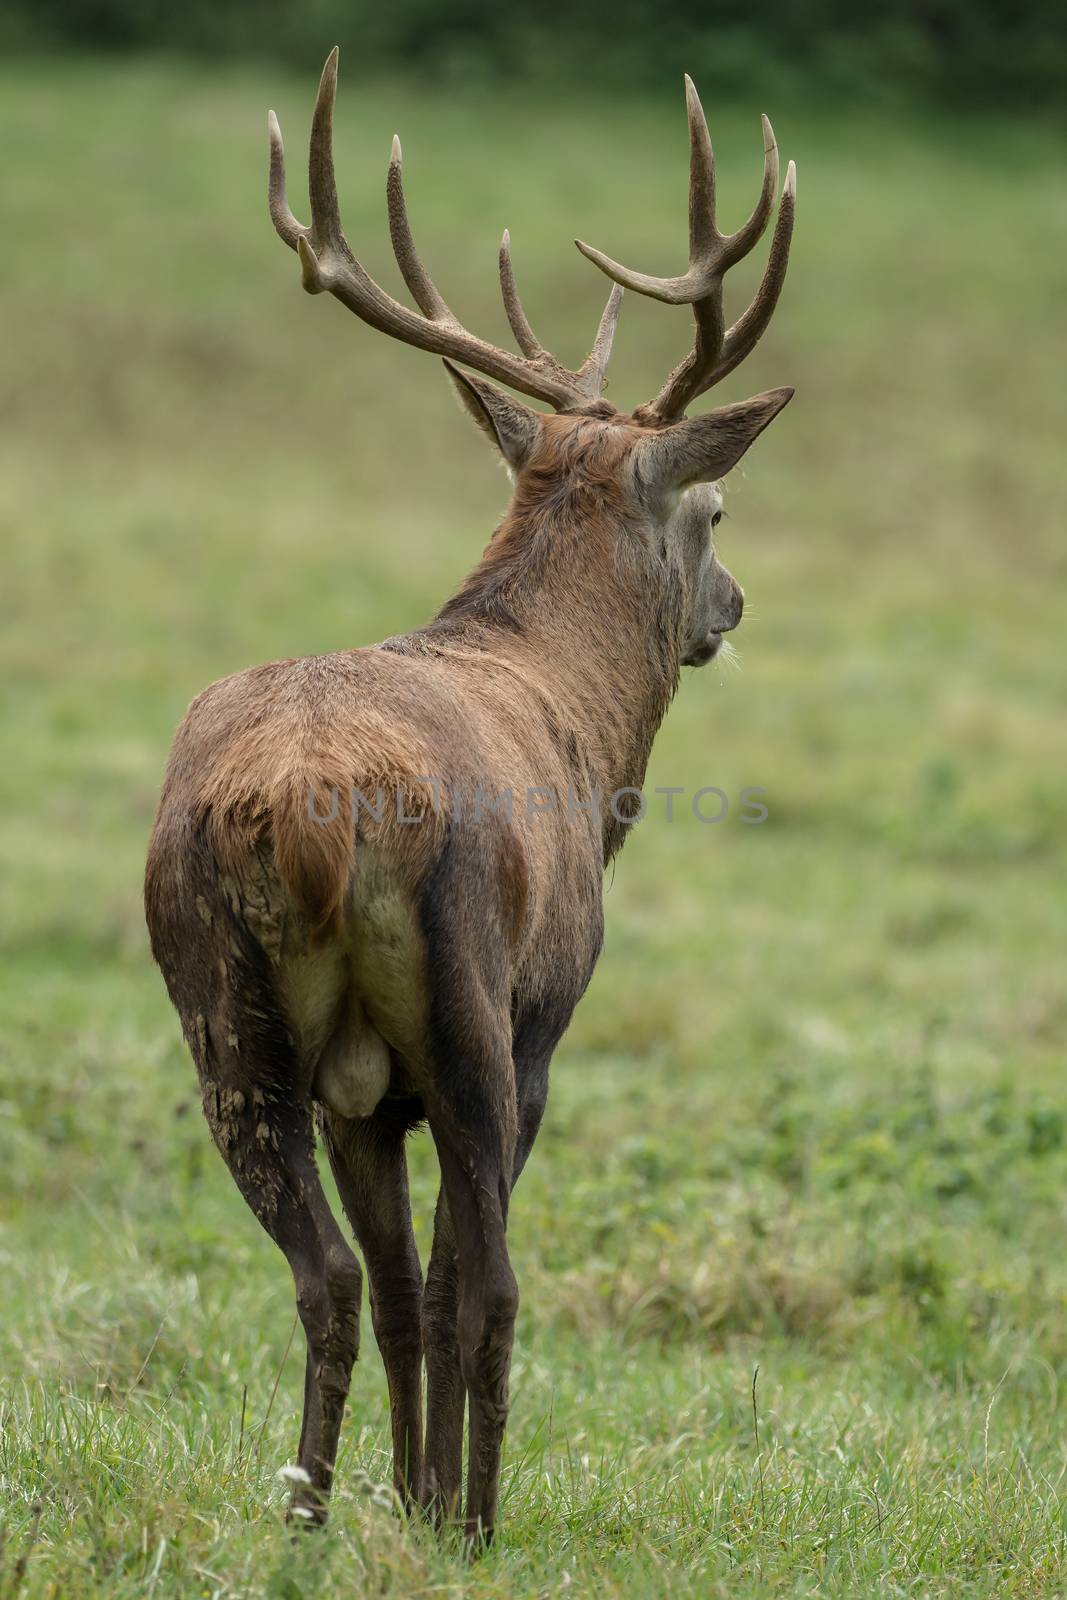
(512, 427)
(701, 449)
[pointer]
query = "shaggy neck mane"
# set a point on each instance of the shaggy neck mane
(570, 590)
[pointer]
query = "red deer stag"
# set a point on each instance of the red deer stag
(329, 958)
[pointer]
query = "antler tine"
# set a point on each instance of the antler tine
(750, 233)
(716, 350)
(672, 291)
(322, 185)
(423, 289)
(715, 354)
(286, 226)
(591, 373)
(703, 234)
(594, 368)
(705, 240)
(749, 328)
(525, 337)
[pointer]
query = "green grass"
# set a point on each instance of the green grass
(811, 1114)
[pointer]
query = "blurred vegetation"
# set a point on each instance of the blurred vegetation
(811, 1114)
(985, 53)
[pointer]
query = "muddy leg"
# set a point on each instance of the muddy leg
(254, 1089)
(267, 1142)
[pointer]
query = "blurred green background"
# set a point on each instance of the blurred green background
(811, 1115)
(993, 52)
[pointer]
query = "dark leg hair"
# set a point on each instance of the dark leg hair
(476, 1184)
(446, 1396)
(369, 1164)
(537, 1033)
(535, 1039)
(471, 1295)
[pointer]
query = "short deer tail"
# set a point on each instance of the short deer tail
(313, 843)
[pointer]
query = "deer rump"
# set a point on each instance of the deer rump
(329, 821)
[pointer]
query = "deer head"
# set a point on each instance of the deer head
(653, 469)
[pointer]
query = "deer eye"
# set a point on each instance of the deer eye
(716, 519)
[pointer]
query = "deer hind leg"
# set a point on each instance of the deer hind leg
(468, 1319)
(473, 1118)
(476, 1177)
(370, 1167)
(266, 1137)
(446, 1394)
(467, 1082)
(255, 1098)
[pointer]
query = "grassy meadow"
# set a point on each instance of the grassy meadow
(811, 1116)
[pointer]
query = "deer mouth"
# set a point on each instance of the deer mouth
(705, 651)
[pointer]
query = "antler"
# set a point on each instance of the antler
(716, 349)
(327, 262)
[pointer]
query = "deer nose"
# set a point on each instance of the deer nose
(737, 606)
